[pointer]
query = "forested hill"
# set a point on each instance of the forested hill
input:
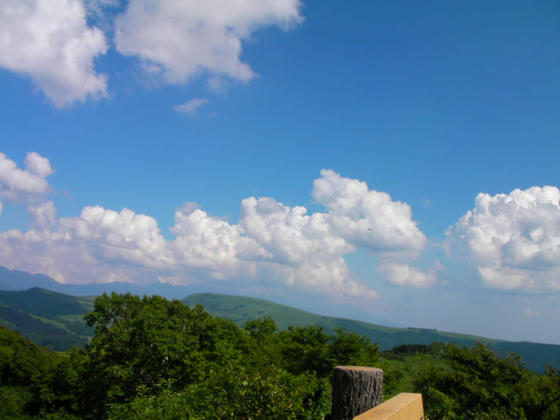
(241, 309)
(51, 319)
(55, 320)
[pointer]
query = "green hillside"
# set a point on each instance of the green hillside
(46, 303)
(51, 319)
(55, 320)
(241, 309)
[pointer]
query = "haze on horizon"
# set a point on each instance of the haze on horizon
(396, 159)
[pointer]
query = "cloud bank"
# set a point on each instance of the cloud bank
(272, 242)
(511, 240)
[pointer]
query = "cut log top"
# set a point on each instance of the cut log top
(357, 368)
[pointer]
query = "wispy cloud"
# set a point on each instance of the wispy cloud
(191, 107)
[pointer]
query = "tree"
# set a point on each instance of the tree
(479, 384)
(151, 343)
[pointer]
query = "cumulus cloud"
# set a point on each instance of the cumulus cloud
(406, 275)
(289, 234)
(271, 242)
(44, 214)
(513, 239)
(51, 42)
(190, 37)
(100, 245)
(191, 107)
(304, 245)
(24, 184)
(122, 235)
(44, 251)
(367, 218)
(209, 242)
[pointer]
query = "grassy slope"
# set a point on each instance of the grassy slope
(240, 309)
(46, 303)
(51, 319)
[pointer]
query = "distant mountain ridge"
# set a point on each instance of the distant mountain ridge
(55, 319)
(16, 280)
(241, 309)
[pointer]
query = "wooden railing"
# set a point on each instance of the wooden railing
(357, 395)
(404, 406)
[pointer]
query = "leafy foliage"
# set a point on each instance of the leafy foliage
(149, 354)
(479, 384)
(28, 378)
(151, 358)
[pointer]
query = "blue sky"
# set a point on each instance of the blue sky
(324, 154)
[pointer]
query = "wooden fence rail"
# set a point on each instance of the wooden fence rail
(404, 406)
(357, 395)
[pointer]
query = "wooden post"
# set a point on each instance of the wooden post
(355, 390)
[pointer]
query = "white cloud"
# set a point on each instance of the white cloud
(406, 275)
(50, 252)
(272, 241)
(304, 246)
(44, 214)
(1, 208)
(24, 184)
(38, 165)
(368, 218)
(289, 234)
(50, 41)
(182, 39)
(98, 246)
(512, 239)
(208, 242)
(191, 107)
(123, 235)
